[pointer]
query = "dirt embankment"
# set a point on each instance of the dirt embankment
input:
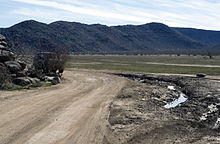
(73, 112)
(139, 114)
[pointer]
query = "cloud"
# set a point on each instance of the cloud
(85, 11)
(190, 13)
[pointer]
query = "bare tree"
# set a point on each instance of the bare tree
(52, 61)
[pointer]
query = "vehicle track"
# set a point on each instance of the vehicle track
(75, 111)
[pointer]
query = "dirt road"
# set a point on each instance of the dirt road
(73, 112)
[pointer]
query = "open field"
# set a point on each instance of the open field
(148, 63)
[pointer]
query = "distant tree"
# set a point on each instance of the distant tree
(210, 55)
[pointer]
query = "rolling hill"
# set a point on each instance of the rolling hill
(31, 36)
(203, 36)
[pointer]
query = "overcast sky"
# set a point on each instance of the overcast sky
(203, 14)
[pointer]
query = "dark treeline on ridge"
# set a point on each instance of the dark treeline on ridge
(152, 38)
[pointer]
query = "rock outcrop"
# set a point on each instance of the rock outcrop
(14, 71)
(5, 54)
(3, 43)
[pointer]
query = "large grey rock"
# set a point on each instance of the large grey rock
(56, 80)
(48, 78)
(22, 81)
(53, 79)
(23, 65)
(34, 80)
(3, 43)
(6, 56)
(21, 74)
(13, 66)
(2, 38)
(2, 47)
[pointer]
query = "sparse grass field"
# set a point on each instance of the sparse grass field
(148, 63)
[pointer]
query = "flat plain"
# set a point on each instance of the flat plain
(172, 64)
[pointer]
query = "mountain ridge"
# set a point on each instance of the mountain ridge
(31, 36)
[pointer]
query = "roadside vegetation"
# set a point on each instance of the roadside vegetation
(148, 63)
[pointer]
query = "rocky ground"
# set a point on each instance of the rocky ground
(95, 107)
(143, 111)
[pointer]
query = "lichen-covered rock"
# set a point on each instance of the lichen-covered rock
(13, 66)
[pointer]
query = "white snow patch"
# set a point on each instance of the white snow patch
(217, 124)
(171, 88)
(212, 108)
(176, 102)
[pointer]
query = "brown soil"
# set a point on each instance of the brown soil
(72, 112)
(95, 107)
(137, 114)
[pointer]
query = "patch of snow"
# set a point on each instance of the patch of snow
(176, 102)
(212, 108)
(203, 117)
(217, 124)
(171, 88)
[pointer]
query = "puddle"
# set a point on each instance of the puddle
(171, 88)
(176, 102)
(217, 124)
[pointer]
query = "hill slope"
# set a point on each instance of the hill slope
(31, 36)
(203, 36)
